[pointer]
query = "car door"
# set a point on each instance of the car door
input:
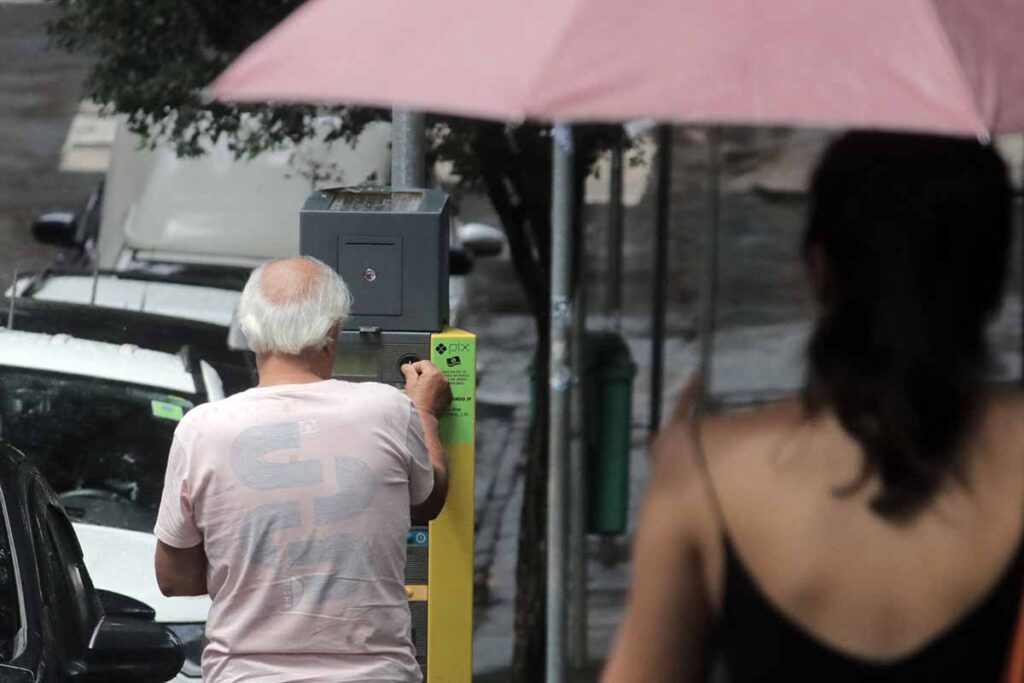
(71, 607)
(11, 621)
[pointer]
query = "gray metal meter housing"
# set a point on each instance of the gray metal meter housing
(391, 248)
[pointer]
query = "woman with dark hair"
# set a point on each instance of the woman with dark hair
(872, 529)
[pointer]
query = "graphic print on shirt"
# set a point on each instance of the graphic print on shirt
(356, 485)
(260, 524)
(345, 559)
(349, 560)
(250, 448)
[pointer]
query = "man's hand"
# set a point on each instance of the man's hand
(427, 387)
(431, 395)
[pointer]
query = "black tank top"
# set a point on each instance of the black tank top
(758, 642)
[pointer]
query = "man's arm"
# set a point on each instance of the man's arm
(431, 507)
(428, 389)
(181, 571)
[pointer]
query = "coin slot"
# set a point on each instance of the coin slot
(407, 358)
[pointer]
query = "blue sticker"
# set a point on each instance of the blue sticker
(417, 538)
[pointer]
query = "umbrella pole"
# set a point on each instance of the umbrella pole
(560, 383)
(660, 275)
(408, 145)
(709, 287)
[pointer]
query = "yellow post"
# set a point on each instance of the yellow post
(450, 573)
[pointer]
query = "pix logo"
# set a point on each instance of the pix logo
(453, 347)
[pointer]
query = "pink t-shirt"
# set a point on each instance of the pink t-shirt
(300, 495)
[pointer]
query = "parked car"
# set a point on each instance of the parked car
(160, 332)
(54, 625)
(201, 225)
(97, 419)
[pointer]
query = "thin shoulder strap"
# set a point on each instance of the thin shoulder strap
(693, 421)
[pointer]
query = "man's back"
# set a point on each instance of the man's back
(300, 494)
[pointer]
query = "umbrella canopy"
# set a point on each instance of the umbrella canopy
(950, 66)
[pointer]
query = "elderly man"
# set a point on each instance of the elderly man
(290, 503)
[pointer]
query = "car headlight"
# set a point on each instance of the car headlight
(194, 639)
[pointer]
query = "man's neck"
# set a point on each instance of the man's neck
(277, 369)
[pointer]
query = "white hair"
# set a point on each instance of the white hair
(292, 319)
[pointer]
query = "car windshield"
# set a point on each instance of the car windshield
(101, 444)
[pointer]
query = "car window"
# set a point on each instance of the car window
(101, 444)
(67, 591)
(10, 603)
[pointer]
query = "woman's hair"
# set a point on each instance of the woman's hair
(909, 236)
(293, 318)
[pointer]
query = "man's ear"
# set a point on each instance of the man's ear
(331, 345)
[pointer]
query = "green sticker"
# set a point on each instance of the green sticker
(454, 352)
(167, 411)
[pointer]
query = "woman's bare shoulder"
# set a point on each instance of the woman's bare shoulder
(726, 436)
(719, 443)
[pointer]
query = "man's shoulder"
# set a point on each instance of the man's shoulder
(199, 415)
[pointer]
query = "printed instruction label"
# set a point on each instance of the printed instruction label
(454, 353)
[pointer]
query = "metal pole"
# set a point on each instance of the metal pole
(1018, 205)
(577, 470)
(560, 381)
(709, 285)
(614, 295)
(10, 303)
(660, 273)
(408, 145)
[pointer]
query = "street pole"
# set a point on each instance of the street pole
(560, 383)
(613, 299)
(660, 274)
(408, 145)
(577, 468)
(1018, 205)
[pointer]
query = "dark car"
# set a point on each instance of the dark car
(54, 626)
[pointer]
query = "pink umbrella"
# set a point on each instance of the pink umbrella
(951, 66)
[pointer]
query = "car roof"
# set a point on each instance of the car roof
(87, 358)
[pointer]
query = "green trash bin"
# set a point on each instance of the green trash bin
(607, 421)
(607, 429)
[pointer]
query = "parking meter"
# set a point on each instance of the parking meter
(391, 248)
